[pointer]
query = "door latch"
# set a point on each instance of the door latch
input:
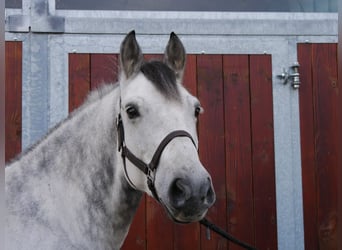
(291, 75)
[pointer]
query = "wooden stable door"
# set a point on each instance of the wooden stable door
(235, 137)
(319, 143)
(236, 146)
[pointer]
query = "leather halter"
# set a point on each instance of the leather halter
(148, 169)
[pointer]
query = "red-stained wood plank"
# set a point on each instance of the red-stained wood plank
(324, 76)
(211, 136)
(263, 152)
(136, 238)
(159, 227)
(190, 74)
(188, 236)
(308, 147)
(104, 69)
(339, 146)
(238, 148)
(13, 93)
(79, 79)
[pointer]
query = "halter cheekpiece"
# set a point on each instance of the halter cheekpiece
(148, 169)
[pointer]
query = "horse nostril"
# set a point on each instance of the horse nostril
(180, 192)
(208, 195)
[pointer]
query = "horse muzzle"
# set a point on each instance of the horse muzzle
(189, 200)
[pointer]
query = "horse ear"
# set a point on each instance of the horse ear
(175, 55)
(131, 56)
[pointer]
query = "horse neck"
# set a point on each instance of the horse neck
(106, 169)
(81, 165)
(125, 200)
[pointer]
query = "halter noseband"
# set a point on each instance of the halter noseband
(148, 169)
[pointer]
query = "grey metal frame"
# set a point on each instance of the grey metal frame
(49, 35)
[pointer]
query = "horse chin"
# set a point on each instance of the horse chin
(179, 217)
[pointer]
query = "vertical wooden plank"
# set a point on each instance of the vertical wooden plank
(104, 69)
(136, 238)
(188, 236)
(79, 79)
(190, 75)
(159, 227)
(308, 147)
(263, 152)
(13, 94)
(325, 104)
(339, 140)
(211, 136)
(238, 148)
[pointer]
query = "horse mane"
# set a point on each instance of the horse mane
(162, 77)
(92, 97)
(99, 93)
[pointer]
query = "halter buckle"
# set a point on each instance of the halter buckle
(150, 176)
(150, 183)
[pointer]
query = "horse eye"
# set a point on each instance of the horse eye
(198, 110)
(132, 112)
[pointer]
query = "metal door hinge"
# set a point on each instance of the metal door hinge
(291, 75)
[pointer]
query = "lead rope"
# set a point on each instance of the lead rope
(221, 232)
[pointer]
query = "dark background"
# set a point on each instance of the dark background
(194, 5)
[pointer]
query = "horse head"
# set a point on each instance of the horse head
(157, 126)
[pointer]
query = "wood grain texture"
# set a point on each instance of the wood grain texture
(325, 93)
(339, 146)
(263, 152)
(308, 147)
(136, 238)
(79, 79)
(319, 144)
(190, 74)
(103, 69)
(238, 148)
(13, 95)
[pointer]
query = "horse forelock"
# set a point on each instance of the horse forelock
(162, 77)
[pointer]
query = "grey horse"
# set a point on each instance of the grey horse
(79, 187)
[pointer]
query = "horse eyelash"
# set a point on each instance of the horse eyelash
(134, 108)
